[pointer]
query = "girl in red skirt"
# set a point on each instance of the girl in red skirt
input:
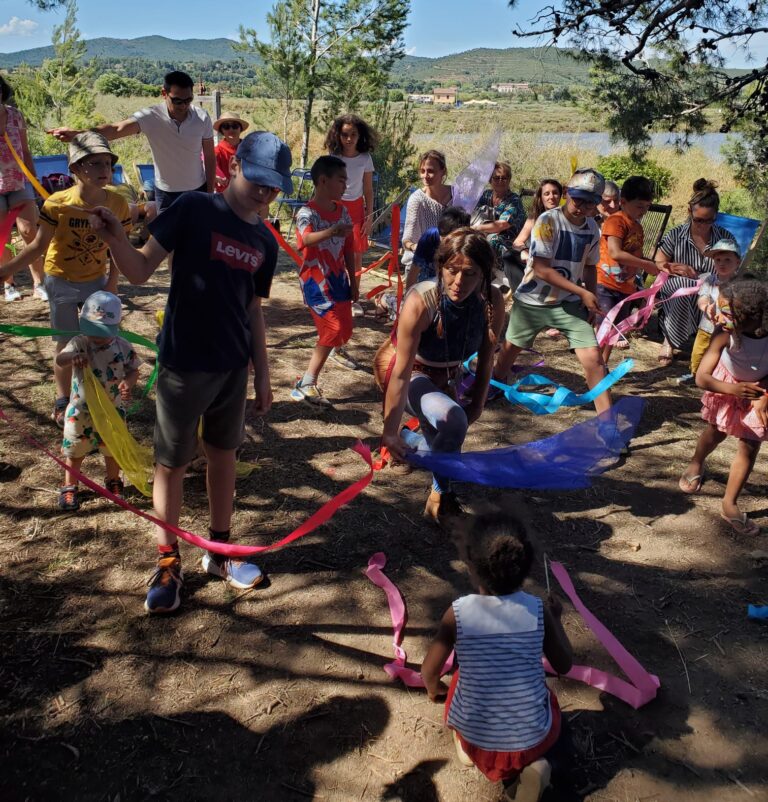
(353, 140)
(734, 373)
(503, 716)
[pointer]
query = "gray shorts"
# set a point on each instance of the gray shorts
(10, 199)
(65, 299)
(183, 397)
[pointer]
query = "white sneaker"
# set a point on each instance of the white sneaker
(357, 310)
(344, 359)
(40, 293)
(534, 780)
(311, 394)
(11, 293)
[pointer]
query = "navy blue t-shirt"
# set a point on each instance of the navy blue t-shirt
(220, 263)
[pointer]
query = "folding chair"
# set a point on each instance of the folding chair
(298, 197)
(146, 175)
(654, 224)
(45, 165)
(118, 176)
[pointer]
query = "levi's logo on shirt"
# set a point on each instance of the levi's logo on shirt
(235, 254)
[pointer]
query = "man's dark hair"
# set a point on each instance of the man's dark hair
(328, 166)
(637, 187)
(177, 78)
(452, 218)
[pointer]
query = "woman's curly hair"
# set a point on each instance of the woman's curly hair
(367, 136)
(499, 552)
(748, 299)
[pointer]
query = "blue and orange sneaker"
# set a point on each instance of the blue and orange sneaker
(241, 574)
(164, 586)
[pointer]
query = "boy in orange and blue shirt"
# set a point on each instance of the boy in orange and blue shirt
(327, 275)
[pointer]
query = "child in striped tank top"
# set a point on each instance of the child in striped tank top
(503, 716)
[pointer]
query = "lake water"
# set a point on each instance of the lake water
(599, 142)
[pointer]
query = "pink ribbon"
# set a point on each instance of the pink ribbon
(229, 549)
(610, 332)
(639, 691)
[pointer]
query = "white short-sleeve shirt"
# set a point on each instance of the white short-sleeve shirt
(357, 167)
(176, 146)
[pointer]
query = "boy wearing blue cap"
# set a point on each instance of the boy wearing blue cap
(114, 363)
(559, 287)
(224, 260)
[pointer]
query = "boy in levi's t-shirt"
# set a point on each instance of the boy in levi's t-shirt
(324, 234)
(621, 250)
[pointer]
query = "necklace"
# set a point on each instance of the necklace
(451, 376)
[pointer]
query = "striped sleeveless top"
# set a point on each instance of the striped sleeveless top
(501, 701)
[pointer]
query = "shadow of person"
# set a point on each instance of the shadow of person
(416, 785)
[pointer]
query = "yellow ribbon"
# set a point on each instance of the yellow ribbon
(24, 169)
(136, 460)
(574, 164)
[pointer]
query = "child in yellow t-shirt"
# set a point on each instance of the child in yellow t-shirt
(76, 262)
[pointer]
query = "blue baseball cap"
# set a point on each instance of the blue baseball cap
(265, 159)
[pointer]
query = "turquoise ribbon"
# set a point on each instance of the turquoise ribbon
(545, 404)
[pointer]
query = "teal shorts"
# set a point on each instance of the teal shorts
(570, 318)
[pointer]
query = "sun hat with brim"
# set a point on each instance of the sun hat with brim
(228, 117)
(88, 143)
(265, 159)
(721, 246)
(586, 184)
(101, 314)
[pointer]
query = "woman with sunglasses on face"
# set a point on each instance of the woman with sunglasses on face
(500, 216)
(681, 253)
(230, 127)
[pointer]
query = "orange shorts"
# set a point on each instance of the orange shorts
(334, 328)
(507, 765)
(356, 209)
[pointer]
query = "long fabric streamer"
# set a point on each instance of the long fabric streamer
(565, 461)
(7, 225)
(611, 332)
(473, 179)
(545, 404)
(641, 689)
(136, 339)
(229, 549)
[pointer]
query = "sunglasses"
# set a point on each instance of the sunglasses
(501, 178)
(230, 126)
(703, 220)
(180, 101)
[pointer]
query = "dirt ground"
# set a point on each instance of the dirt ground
(279, 693)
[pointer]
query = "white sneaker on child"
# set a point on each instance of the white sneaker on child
(11, 293)
(40, 293)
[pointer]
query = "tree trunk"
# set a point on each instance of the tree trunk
(311, 72)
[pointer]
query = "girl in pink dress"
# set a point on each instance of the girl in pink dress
(734, 374)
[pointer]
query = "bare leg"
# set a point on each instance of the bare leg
(741, 468)
(607, 353)
(112, 468)
(594, 372)
(318, 359)
(62, 374)
(220, 480)
(72, 462)
(26, 222)
(505, 359)
(167, 495)
(412, 276)
(708, 441)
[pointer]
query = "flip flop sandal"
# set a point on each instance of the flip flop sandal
(690, 484)
(665, 358)
(741, 524)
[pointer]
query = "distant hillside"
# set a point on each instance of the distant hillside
(151, 48)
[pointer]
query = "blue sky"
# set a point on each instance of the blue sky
(437, 27)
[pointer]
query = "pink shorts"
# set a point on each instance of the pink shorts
(506, 765)
(356, 209)
(334, 328)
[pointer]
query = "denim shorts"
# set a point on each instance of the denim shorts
(8, 200)
(65, 299)
(608, 298)
(164, 198)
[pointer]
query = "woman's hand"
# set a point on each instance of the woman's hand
(473, 412)
(396, 446)
(367, 226)
(748, 390)
(760, 406)
(679, 269)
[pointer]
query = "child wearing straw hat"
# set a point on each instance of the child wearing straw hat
(230, 127)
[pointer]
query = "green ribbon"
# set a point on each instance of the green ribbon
(136, 339)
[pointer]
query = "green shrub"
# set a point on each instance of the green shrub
(739, 202)
(620, 167)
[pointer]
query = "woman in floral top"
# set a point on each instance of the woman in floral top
(508, 220)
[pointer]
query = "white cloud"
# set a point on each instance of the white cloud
(18, 27)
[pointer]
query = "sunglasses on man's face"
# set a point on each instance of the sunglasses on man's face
(180, 101)
(230, 126)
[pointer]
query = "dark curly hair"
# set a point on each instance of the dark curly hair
(367, 136)
(748, 299)
(499, 552)
(470, 243)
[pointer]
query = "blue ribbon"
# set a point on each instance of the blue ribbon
(544, 404)
(757, 612)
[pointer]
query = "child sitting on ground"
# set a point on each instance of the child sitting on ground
(114, 363)
(734, 373)
(727, 258)
(503, 716)
(325, 237)
(621, 251)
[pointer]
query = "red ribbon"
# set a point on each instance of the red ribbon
(229, 549)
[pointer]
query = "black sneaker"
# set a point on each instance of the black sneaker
(68, 498)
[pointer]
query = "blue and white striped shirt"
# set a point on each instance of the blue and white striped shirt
(501, 701)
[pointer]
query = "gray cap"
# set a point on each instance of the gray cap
(587, 184)
(723, 245)
(88, 143)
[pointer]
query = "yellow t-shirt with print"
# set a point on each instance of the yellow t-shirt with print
(76, 252)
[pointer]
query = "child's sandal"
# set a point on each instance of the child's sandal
(115, 487)
(68, 498)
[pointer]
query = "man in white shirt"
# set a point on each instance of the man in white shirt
(177, 132)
